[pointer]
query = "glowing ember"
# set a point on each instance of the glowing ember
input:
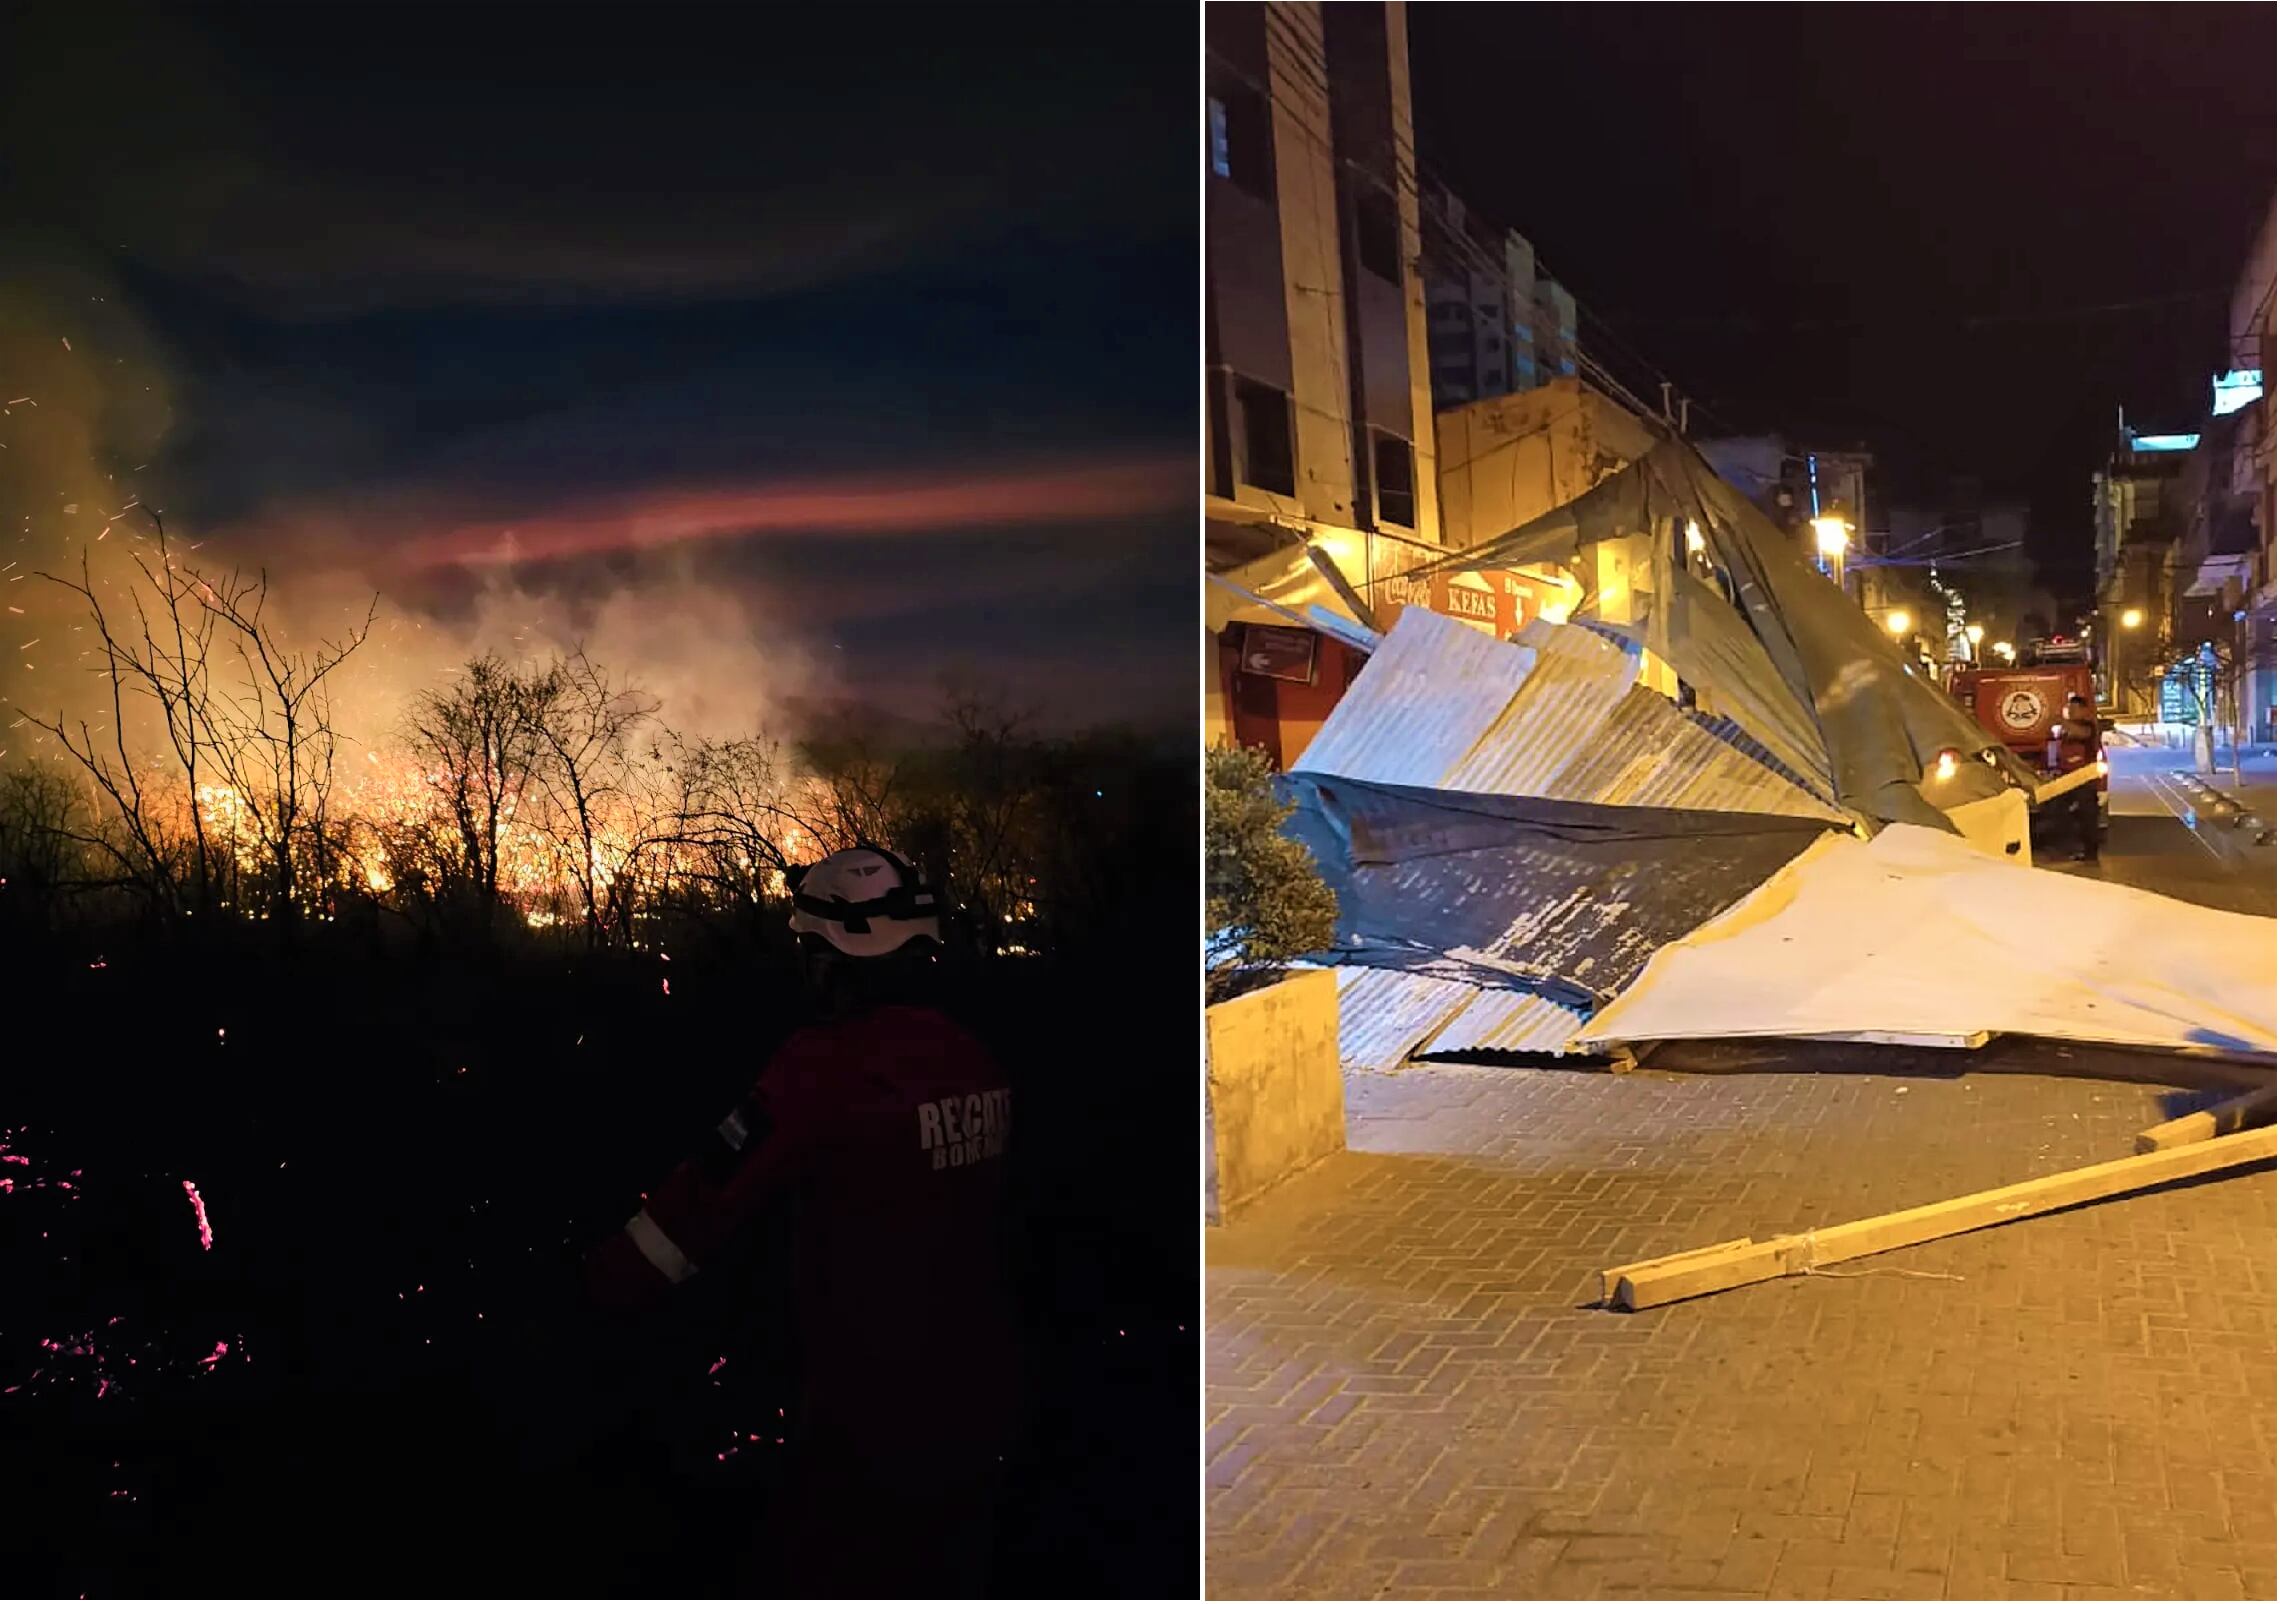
(205, 1228)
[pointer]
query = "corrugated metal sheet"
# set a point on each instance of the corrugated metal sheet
(1713, 648)
(1384, 1013)
(1579, 897)
(1561, 707)
(1421, 703)
(1506, 1022)
(1559, 716)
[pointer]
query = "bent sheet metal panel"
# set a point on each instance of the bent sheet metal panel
(1559, 716)
(1386, 1017)
(1575, 897)
(1384, 1013)
(1506, 1022)
(1420, 703)
(1918, 932)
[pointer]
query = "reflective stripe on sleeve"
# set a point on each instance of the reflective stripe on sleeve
(659, 1249)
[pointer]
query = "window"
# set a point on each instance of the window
(1396, 488)
(1492, 378)
(1242, 140)
(1377, 231)
(1267, 459)
(1222, 460)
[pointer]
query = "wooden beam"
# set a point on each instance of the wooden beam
(2233, 1114)
(1735, 1264)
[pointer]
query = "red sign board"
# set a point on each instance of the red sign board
(1493, 600)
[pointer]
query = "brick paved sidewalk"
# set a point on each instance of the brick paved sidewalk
(1406, 1397)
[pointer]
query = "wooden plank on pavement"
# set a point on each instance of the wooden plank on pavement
(2233, 1114)
(1734, 1264)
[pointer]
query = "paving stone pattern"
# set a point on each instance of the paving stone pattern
(1407, 1397)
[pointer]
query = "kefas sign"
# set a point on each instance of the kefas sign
(1496, 601)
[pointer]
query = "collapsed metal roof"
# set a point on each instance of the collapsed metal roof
(1729, 602)
(1560, 714)
(1565, 901)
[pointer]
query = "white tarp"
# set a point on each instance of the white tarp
(1917, 934)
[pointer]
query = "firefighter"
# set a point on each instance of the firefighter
(2076, 742)
(885, 1130)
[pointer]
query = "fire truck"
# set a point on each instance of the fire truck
(2021, 704)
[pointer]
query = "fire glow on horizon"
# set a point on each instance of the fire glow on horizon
(868, 505)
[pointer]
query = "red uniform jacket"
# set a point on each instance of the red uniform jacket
(2075, 741)
(888, 1135)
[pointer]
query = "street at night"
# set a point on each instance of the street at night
(1410, 1397)
(2168, 836)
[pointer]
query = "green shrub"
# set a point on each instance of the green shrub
(1265, 902)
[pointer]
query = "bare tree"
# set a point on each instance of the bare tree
(739, 814)
(44, 825)
(989, 806)
(264, 733)
(272, 737)
(590, 776)
(481, 740)
(146, 846)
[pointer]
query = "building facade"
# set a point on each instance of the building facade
(1318, 402)
(2185, 539)
(1324, 482)
(1495, 324)
(2139, 506)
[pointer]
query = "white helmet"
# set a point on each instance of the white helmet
(865, 902)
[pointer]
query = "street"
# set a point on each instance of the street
(1409, 1393)
(2163, 839)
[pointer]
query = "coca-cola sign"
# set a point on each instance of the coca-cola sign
(1497, 601)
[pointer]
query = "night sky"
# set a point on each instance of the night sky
(1882, 224)
(787, 357)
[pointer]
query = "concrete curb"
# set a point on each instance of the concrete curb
(2223, 805)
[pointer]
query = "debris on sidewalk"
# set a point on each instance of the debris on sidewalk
(1713, 803)
(1502, 922)
(2233, 1114)
(1915, 933)
(1743, 1262)
(1388, 1016)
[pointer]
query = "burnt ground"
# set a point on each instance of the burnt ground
(380, 1378)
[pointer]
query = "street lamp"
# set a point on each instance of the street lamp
(1896, 622)
(2004, 650)
(2131, 618)
(1830, 536)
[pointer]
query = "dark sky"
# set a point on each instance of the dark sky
(1882, 223)
(815, 352)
